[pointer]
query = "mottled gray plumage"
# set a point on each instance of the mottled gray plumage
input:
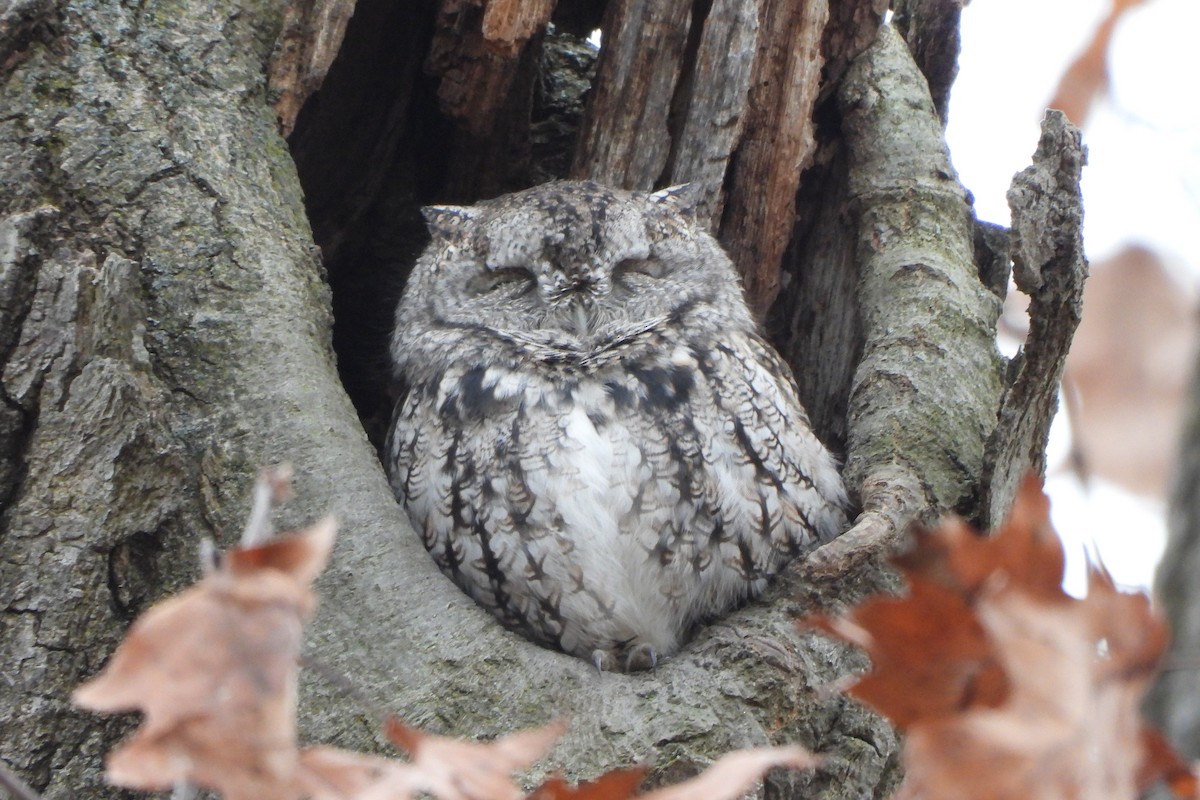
(594, 441)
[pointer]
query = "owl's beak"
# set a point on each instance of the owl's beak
(581, 306)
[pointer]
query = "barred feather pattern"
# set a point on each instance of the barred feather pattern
(594, 442)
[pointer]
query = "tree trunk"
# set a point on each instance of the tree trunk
(1173, 703)
(167, 325)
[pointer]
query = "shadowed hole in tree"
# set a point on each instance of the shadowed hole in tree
(134, 575)
(376, 143)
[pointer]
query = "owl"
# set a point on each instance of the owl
(593, 440)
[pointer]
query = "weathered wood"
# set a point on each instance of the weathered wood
(511, 23)
(625, 140)
(815, 321)
(1046, 243)
(712, 100)
(311, 36)
(778, 143)
(476, 55)
(930, 27)
(487, 62)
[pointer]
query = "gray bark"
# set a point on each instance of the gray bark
(930, 27)
(1173, 702)
(926, 315)
(165, 330)
(1050, 267)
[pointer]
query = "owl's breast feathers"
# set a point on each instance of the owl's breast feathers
(615, 501)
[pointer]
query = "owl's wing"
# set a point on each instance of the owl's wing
(770, 444)
(733, 483)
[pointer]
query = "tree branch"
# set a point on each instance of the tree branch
(1049, 266)
(925, 392)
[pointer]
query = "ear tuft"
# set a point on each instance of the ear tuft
(689, 199)
(445, 221)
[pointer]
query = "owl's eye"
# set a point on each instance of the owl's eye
(503, 278)
(648, 267)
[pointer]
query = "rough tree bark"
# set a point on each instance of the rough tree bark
(168, 324)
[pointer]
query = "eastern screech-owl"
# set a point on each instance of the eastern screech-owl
(594, 442)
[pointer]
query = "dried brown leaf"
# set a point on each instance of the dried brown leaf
(1128, 373)
(620, 784)
(448, 769)
(1026, 692)
(1087, 76)
(302, 557)
(932, 639)
(1071, 726)
(455, 770)
(327, 773)
(214, 671)
(1027, 550)
(734, 773)
(1160, 762)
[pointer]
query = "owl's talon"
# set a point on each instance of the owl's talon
(602, 660)
(642, 657)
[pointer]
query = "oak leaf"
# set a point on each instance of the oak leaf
(445, 768)
(619, 784)
(213, 669)
(734, 773)
(727, 779)
(451, 769)
(328, 773)
(1002, 681)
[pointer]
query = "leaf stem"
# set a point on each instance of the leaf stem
(15, 786)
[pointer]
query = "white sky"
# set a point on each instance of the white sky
(1142, 184)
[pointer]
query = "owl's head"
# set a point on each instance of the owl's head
(574, 259)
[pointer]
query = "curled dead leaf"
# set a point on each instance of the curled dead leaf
(727, 779)
(734, 773)
(618, 784)
(213, 669)
(1002, 681)
(456, 770)
(327, 773)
